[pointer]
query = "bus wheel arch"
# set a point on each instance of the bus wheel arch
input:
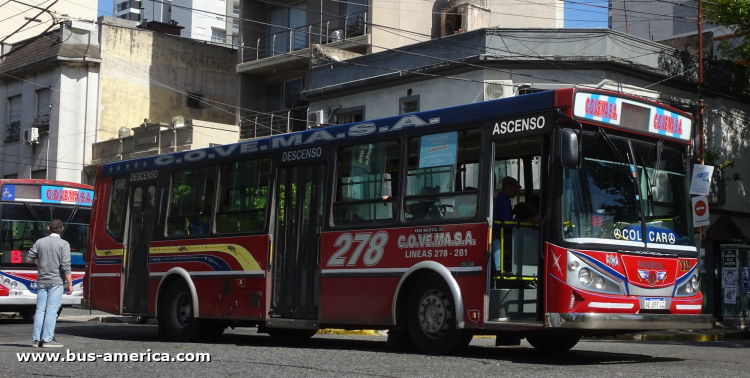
(410, 279)
(166, 281)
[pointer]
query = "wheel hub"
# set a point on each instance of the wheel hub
(184, 310)
(434, 314)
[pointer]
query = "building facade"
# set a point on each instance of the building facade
(203, 20)
(281, 41)
(87, 82)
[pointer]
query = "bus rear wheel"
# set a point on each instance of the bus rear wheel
(431, 318)
(552, 343)
(177, 312)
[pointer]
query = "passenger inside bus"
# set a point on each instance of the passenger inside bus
(503, 211)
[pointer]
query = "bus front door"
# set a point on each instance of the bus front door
(135, 268)
(300, 192)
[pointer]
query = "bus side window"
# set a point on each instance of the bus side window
(367, 183)
(116, 207)
(243, 196)
(443, 175)
(191, 202)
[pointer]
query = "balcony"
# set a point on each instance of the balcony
(13, 131)
(290, 48)
(263, 124)
(42, 123)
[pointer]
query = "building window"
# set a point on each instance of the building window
(195, 101)
(286, 22)
(283, 95)
(236, 24)
(218, 35)
(408, 104)
(43, 107)
(39, 174)
(122, 6)
(350, 116)
(13, 128)
(236, 8)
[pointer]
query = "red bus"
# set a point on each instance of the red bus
(388, 224)
(26, 208)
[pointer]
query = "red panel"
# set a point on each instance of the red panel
(650, 272)
(103, 291)
(361, 269)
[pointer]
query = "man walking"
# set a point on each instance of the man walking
(52, 255)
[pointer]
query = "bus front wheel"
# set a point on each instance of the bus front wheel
(431, 318)
(553, 342)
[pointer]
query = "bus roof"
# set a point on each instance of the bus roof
(535, 102)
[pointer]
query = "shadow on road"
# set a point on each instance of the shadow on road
(148, 333)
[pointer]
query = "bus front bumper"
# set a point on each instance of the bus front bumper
(628, 322)
(30, 300)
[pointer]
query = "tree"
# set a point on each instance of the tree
(735, 16)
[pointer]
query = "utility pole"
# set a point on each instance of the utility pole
(700, 79)
(625, 8)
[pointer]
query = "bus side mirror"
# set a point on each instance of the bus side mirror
(570, 149)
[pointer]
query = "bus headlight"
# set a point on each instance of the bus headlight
(13, 284)
(585, 276)
(6, 282)
(574, 265)
(599, 283)
(694, 282)
(687, 287)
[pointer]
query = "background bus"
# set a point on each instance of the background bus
(389, 224)
(26, 208)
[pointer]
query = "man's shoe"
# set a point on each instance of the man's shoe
(51, 344)
(35, 344)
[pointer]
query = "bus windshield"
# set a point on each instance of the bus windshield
(601, 201)
(23, 224)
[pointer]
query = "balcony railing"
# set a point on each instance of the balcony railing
(42, 123)
(218, 39)
(290, 40)
(263, 124)
(13, 131)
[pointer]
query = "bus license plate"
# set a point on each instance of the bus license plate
(655, 304)
(15, 292)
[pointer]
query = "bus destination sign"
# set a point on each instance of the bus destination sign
(629, 114)
(47, 194)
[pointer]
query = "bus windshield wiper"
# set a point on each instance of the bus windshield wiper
(70, 218)
(31, 210)
(602, 135)
(659, 148)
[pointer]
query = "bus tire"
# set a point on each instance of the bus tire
(553, 343)
(431, 318)
(177, 311)
(140, 319)
(291, 335)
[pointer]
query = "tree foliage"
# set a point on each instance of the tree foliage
(735, 16)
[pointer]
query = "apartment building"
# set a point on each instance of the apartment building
(34, 17)
(281, 40)
(204, 20)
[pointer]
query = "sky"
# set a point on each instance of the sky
(576, 15)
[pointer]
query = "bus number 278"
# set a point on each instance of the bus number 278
(371, 244)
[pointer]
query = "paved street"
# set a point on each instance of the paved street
(254, 355)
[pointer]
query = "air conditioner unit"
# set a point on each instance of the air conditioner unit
(316, 118)
(495, 89)
(31, 136)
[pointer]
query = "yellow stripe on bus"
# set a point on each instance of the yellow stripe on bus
(107, 252)
(242, 255)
